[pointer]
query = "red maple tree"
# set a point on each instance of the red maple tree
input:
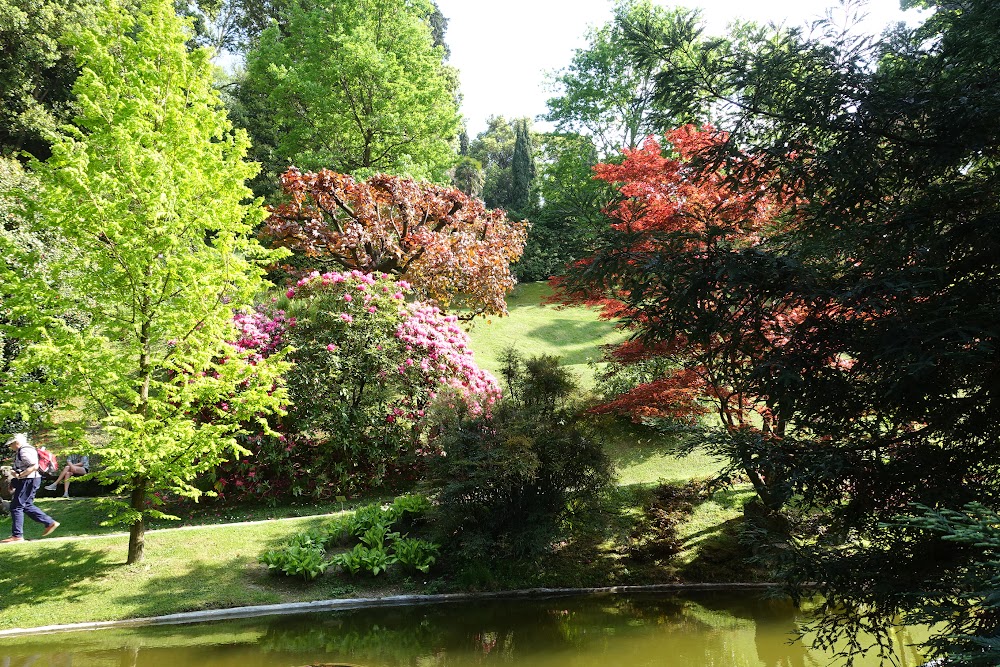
(448, 246)
(666, 272)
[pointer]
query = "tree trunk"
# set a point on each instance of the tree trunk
(140, 484)
(137, 531)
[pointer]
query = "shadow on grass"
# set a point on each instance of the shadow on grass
(720, 556)
(565, 331)
(64, 571)
(733, 498)
(630, 445)
(636, 455)
(203, 586)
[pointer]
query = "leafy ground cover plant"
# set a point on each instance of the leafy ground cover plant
(296, 560)
(376, 547)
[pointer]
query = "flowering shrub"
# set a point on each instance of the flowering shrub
(367, 367)
(261, 332)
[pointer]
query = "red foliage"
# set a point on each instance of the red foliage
(448, 246)
(678, 396)
(669, 209)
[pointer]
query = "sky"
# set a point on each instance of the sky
(503, 50)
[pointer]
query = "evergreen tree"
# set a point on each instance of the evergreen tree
(522, 168)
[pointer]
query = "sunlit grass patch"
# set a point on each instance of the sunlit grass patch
(535, 328)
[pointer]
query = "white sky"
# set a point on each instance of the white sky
(504, 49)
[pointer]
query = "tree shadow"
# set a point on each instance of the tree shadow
(721, 557)
(68, 571)
(571, 332)
(205, 586)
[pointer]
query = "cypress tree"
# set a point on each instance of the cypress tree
(522, 170)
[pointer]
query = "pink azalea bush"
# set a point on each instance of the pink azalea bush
(368, 365)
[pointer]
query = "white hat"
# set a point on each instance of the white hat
(19, 438)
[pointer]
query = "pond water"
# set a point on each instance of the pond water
(635, 630)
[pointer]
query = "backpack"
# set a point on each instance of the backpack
(46, 461)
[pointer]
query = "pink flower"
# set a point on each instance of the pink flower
(347, 297)
(372, 309)
(346, 317)
(331, 347)
(290, 293)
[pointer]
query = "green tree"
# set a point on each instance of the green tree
(354, 87)
(37, 70)
(609, 94)
(607, 103)
(494, 148)
(522, 171)
(15, 184)
(567, 224)
(468, 176)
(145, 195)
(235, 26)
(887, 378)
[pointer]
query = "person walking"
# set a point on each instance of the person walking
(76, 464)
(25, 485)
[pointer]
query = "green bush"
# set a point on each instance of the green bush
(509, 479)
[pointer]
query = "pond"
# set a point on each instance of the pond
(635, 630)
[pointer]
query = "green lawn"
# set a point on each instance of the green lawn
(77, 580)
(535, 328)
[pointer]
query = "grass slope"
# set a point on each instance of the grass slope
(535, 328)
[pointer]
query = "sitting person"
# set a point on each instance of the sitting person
(76, 465)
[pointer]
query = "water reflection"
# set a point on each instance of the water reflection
(707, 630)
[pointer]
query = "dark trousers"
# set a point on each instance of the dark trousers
(22, 502)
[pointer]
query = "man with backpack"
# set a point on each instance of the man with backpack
(24, 486)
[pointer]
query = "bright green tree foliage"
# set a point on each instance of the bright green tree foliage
(355, 87)
(146, 194)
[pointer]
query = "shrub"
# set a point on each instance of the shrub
(367, 367)
(509, 478)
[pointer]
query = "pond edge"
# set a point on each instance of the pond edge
(362, 603)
